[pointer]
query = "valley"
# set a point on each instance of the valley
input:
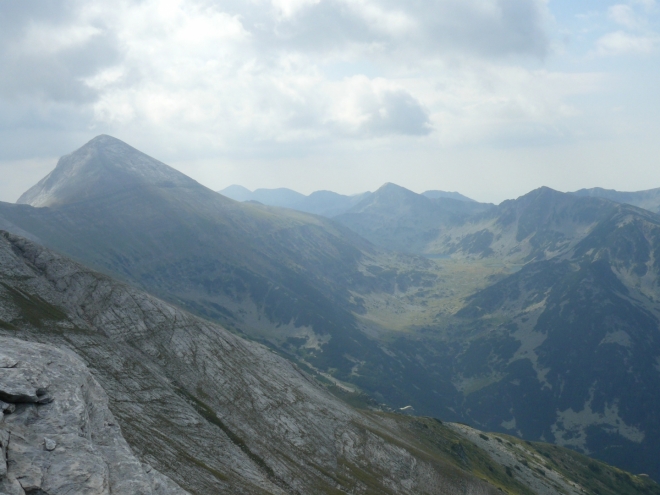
(537, 318)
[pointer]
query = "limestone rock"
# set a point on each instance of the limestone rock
(69, 443)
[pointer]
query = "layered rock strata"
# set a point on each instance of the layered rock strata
(56, 431)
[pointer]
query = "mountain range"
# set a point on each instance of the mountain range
(326, 203)
(649, 199)
(537, 317)
(396, 218)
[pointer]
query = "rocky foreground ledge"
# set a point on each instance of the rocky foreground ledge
(57, 434)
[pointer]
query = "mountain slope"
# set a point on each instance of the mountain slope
(568, 348)
(56, 432)
(539, 225)
(398, 219)
(649, 200)
(219, 414)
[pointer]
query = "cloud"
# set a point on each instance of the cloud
(46, 50)
(648, 5)
(209, 77)
(482, 27)
(622, 43)
(625, 16)
(363, 107)
(635, 33)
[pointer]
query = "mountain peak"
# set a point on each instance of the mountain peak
(103, 166)
(389, 188)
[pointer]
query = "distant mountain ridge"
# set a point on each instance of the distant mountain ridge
(396, 218)
(539, 225)
(292, 280)
(326, 203)
(649, 199)
(434, 194)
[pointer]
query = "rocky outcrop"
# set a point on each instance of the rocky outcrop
(58, 435)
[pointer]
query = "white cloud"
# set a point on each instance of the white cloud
(234, 74)
(625, 16)
(648, 5)
(622, 43)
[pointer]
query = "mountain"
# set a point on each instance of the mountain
(398, 219)
(538, 225)
(324, 203)
(237, 193)
(649, 200)
(297, 282)
(327, 203)
(566, 349)
(215, 413)
(444, 194)
(105, 167)
(272, 197)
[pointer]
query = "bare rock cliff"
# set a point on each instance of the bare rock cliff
(56, 432)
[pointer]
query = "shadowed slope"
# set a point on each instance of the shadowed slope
(395, 218)
(571, 345)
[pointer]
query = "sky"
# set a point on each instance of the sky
(492, 98)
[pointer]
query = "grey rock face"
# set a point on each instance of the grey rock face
(71, 442)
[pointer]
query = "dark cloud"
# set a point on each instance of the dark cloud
(485, 28)
(34, 65)
(398, 113)
(507, 27)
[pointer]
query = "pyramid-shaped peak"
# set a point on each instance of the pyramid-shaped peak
(106, 140)
(391, 188)
(103, 166)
